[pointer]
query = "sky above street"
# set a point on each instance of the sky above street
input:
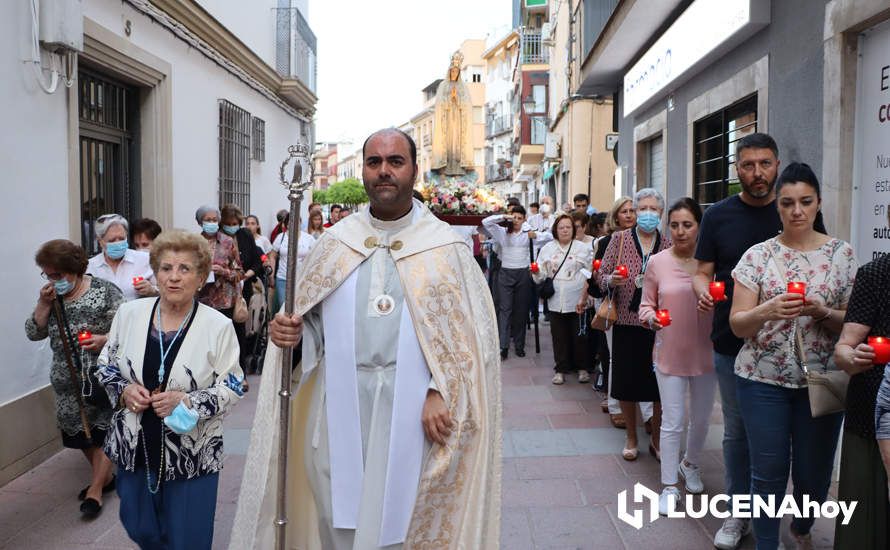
(374, 58)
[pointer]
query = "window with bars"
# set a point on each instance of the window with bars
(109, 152)
(234, 155)
(258, 139)
(714, 157)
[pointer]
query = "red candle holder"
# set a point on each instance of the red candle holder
(797, 287)
(717, 290)
(622, 270)
(881, 345)
(84, 335)
(534, 267)
(137, 280)
(664, 317)
(264, 258)
(597, 264)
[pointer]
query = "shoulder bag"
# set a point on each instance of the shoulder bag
(827, 390)
(546, 290)
(607, 313)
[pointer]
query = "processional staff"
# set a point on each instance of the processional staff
(299, 183)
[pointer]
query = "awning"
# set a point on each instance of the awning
(548, 173)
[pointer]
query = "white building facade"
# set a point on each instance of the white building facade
(159, 107)
(500, 64)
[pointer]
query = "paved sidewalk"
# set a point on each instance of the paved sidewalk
(562, 476)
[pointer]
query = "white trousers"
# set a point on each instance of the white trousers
(614, 407)
(673, 390)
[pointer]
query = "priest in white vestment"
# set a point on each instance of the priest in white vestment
(396, 423)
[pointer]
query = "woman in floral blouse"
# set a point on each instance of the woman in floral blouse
(772, 388)
(87, 304)
(221, 288)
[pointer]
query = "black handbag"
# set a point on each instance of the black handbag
(91, 390)
(546, 290)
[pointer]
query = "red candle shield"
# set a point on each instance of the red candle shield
(137, 280)
(663, 316)
(717, 290)
(597, 264)
(534, 267)
(84, 335)
(881, 345)
(797, 287)
(622, 270)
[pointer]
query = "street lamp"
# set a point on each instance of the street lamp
(529, 104)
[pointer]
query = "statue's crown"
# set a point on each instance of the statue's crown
(457, 60)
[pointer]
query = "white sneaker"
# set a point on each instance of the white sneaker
(730, 534)
(558, 378)
(691, 474)
(583, 376)
(669, 500)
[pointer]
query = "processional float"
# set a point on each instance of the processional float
(301, 180)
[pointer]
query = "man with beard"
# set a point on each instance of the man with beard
(395, 437)
(729, 228)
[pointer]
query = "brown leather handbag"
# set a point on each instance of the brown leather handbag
(607, 312)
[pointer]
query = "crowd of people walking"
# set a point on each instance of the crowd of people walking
(659, 306)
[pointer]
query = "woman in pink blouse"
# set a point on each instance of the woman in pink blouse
(221, 289)
(682, 354)
(632, 378)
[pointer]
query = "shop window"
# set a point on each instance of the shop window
(714, 154)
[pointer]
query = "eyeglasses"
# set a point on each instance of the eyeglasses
(51, 276)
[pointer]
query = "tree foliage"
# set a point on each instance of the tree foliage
(348, 191)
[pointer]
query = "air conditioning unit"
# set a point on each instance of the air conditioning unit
(61, 25)
(545, 32)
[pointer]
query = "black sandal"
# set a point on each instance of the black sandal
(107, 489)
(90, 508)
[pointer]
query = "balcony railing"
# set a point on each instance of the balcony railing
(427, 141)
(295, 47)
(498, 125)
(497, 172)
(533, 50)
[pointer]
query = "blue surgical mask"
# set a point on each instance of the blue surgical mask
(231, 229)
(210, 228)
(117, 250)
(182, 420)
(63, 286)
(648, 220)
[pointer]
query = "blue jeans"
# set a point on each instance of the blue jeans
(280, 287)
(178, 517)
(737, 475)
(783, 435)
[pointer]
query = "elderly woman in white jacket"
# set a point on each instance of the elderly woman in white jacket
(567, 262)
(171, 368)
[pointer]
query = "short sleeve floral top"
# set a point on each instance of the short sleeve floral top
(829, 272)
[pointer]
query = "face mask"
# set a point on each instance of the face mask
(116, 250)
(210, 227)
(231, 229)
(182, 420)
(648, 220)
(63, 286)
(545, 208)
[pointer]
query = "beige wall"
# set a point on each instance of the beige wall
(472, 50)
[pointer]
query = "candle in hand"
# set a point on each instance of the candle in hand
(796, 287)
(881, 345)
(84, 335)
(534, 267)
(597, 264)
(717, 290)
(663, 316)
(622, 270)
(137, 280)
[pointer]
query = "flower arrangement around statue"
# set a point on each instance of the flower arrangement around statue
(460, 202)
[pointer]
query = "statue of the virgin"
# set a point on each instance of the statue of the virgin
(452, 124)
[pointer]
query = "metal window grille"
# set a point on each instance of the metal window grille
(714, 156)
(109, 152)
(533, 51)
(258, 140)
(295, 47)
(234, 155)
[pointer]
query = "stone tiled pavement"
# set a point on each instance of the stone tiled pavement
(562, 475)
